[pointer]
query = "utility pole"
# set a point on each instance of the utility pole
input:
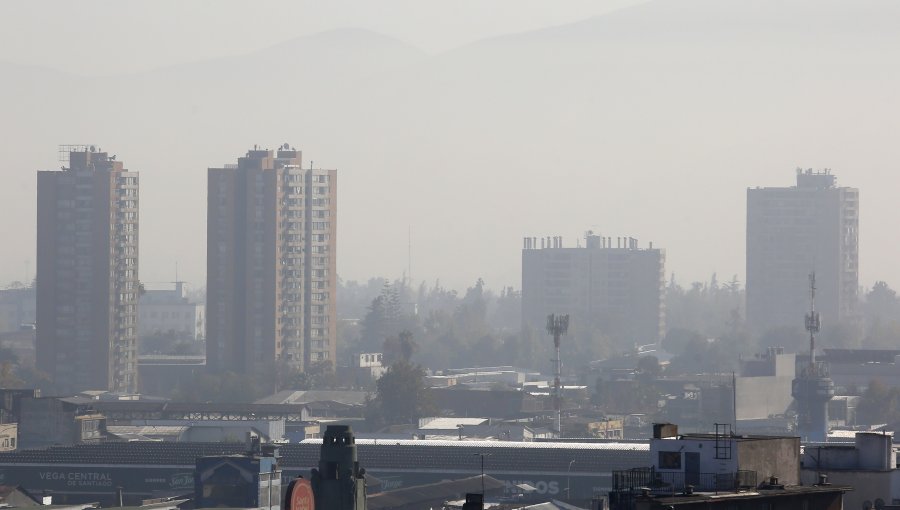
(557, 325)
(482, 455)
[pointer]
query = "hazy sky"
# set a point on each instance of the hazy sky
(644, 119)
(112, 36)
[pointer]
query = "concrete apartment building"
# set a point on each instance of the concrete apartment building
(271, 276)
(164, 311)
(87, 273)
(791, 232)
(609, 285)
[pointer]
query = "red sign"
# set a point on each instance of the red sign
(300, 495)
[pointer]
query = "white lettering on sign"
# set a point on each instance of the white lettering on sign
(543, 487)
(79, 478)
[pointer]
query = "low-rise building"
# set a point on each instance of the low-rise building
(686, 468)
(9, 435)
(251, 480)
(365, 368)
(869, 465)
(170, 311)
(50, 421)
(162, 374)
(17, 307)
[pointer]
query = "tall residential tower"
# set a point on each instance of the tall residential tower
(812, 227)
(271, 275)
(610, 286)
(87, 273)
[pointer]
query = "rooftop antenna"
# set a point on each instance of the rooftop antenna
(813, 323)
(557, 325)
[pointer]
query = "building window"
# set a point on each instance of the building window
(669, 460)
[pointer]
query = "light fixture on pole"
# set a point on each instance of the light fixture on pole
(482, 455)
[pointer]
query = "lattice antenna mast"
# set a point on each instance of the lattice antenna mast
(557, 325)
(813, 323)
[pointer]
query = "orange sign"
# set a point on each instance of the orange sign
(300, 495)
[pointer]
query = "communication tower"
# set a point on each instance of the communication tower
(557, 325)
(812, 389)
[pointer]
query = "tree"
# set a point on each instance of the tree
(648, 368)
(8, 377)
(399, 348)
(401, 396)
(677, 339)
(320, 376)
(879, 404)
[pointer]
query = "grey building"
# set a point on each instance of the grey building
(87, 273)
(271, 267)
(791, 232)
(610, 285)
(171, 311)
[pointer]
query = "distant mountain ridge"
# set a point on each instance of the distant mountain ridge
(650, 121)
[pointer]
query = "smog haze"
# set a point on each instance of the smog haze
(463, 126)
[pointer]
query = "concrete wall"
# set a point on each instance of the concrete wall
(761, 397)
(774, 456)
(872, 452)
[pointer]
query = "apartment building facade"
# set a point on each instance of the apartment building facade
(271, 276)
(87, 273)
(792, 232)
(610, 286)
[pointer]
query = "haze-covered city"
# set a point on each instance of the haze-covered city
(609, 254)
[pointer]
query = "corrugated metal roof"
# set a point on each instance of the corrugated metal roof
(645, 447)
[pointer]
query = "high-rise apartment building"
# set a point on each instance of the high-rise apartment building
(610, 286)
(271, 276)
(87, 273)
(792, 232)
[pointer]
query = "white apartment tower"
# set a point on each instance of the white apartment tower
(610, 285)
(792, 232)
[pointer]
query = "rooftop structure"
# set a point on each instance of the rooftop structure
(869, 465)
(339, 482)
(717, 471)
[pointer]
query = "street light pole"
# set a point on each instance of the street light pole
(569, 480)
(482, 455)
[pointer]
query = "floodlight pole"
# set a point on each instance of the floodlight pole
(482, 455)
(557, 325)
